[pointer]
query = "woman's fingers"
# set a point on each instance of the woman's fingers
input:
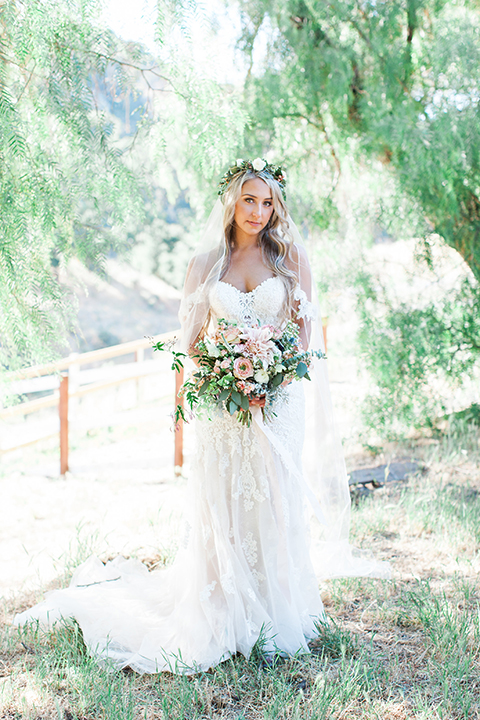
(258, 401)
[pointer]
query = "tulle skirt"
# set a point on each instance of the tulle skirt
(243, 571)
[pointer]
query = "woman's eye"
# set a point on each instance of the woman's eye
(268, 203)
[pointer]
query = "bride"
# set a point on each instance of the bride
(248, 568)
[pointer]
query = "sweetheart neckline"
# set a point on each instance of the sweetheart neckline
(249, 292)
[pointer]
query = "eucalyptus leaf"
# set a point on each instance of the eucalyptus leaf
(277, 380)
(223, 395)
(245, 402)
(236, 397)
(204, 387)
(232, 407)
(302, 369)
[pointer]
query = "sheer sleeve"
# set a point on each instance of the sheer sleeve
(305, 310)
(194, 313)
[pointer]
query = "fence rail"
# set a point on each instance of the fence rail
(65, 377)
(65, 371)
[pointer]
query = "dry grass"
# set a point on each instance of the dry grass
(408, 648)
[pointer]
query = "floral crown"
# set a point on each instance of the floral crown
(257, 166)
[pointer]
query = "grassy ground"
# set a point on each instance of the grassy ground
(405, 648)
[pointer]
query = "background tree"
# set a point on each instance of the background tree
(71, 182)
(390, 89)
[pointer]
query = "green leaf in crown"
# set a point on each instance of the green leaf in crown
(259, 165)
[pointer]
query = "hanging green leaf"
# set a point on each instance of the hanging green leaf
(301, 369)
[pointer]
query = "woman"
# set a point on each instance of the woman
(244, 571)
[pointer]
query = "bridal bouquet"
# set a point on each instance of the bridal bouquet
(238, 363)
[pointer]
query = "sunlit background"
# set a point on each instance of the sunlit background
(112, 146)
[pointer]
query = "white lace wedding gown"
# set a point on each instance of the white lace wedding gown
(244, 569)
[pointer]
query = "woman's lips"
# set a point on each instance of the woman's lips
(251, 222)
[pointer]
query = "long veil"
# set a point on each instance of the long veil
(324, 476)
(206, 606)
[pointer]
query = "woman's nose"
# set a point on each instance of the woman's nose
(257, 211)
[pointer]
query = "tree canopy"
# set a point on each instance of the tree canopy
(395, 80)
(385, 93)
(70, 183)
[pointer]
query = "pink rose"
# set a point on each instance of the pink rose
(231, 334)
(225, 364)
(242, 368)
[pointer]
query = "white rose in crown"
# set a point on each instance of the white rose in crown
(258, 164)
(239, 162)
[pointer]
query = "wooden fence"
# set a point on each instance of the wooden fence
(64, 374)
(66, 370)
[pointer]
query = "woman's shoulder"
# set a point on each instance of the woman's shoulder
(201, 265)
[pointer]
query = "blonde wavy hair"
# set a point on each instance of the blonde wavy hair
(274, 240)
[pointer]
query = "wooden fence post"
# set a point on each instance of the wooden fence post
(324, 328)
(178, 461)
(63, 413)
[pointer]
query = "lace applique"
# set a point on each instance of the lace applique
(247, 486)
(245, 304)
(306, 309)
(227, 581)
(238, 457)
(264, 304)
(259, 578)
(207, 533)
(249, 546)
(187, 530)
(251, 627)
(207, 591)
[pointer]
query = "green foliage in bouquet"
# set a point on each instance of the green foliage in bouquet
(239, 363)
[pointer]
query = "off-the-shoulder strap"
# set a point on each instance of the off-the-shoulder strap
(306, 310)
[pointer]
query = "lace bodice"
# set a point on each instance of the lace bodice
(263, 304)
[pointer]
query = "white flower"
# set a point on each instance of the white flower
(239, 162)
(258, 164)
(279, 368)
(261, 376)
(212, 349)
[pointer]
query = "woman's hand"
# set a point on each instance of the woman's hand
(260, 402)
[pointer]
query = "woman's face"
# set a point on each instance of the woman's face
(254, 208)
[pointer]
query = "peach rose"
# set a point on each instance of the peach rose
(242, 368)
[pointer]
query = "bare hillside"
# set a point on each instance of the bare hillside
(123, 305)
